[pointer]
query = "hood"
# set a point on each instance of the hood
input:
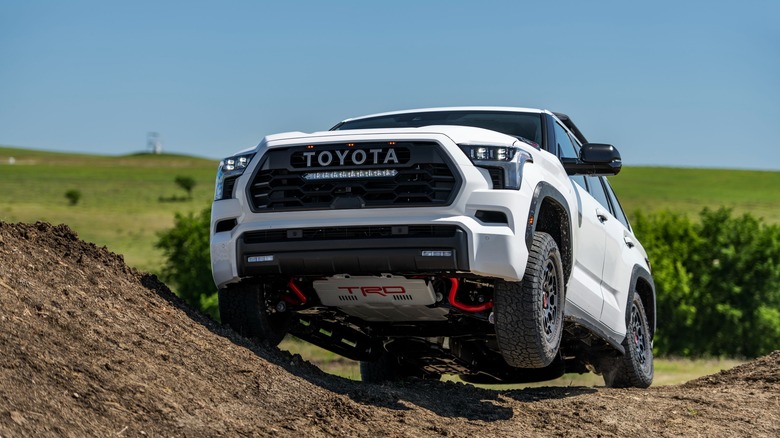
(458, 134)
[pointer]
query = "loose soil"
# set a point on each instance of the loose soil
(90, 347)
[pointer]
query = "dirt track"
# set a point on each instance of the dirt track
(90, 347)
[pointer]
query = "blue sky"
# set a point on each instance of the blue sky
(694, 84)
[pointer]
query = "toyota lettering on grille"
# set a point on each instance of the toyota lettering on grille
(350, 157)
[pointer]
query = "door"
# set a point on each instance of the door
(620, 257)
(584, 288)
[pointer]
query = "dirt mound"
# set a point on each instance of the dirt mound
(90, 347)
(764, 370)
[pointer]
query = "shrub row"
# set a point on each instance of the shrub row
(717, 282)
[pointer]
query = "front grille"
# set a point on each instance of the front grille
(423, 176)
(342, 233)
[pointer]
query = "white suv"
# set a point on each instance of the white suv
(478, 241)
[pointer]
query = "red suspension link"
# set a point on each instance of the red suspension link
(298, 293)
(463, 306)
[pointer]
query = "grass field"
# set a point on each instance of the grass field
(690, 190)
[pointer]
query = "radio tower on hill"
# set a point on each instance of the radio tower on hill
(153, 143)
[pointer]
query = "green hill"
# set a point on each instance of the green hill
(120, 206)
(690, 190)
(126, 200)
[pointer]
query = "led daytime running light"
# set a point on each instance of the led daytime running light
(234, 163)
(351, 174)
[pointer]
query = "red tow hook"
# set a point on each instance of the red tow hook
(298, 293)
(462, 306)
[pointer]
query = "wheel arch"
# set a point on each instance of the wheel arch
(642, 284)
(548, 214)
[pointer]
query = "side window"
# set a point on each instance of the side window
(565, 147)
(597, 191)
(576, 144)
(568, 148)
(579, 179)
(618, 210)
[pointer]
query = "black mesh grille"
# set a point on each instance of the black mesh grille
(496, 176)
(341, 233)
(227, 187)
(423, 177)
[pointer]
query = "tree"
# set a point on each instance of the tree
(73, 196)
(669, 239)
(739, 265)
(187, 183)
(717, 283)
(187, 260)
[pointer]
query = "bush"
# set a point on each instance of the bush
(717, 283)
(670, 239)
(187, 183)
(73, 196)
(188, 265)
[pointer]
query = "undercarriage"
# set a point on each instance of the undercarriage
(433, 325)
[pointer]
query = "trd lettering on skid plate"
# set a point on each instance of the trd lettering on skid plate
(377, 290)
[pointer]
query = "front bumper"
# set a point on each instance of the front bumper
(322, 244)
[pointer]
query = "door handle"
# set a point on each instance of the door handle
(629, 242)
(601, 215)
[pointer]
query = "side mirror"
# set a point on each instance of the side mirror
(595, 159)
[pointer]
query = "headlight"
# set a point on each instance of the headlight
(504, 163)
(489, 153)
(228, 171)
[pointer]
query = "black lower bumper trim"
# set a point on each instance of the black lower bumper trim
(354, 256)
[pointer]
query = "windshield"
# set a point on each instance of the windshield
(516, 124)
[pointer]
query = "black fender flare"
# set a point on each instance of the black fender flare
(542, 192)
(648, 298)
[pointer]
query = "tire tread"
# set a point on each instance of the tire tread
(521, 338)
(626, 371)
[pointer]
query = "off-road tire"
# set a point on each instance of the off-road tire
(245, 308)
(388, 369)
(529, 314)
(635, 367)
